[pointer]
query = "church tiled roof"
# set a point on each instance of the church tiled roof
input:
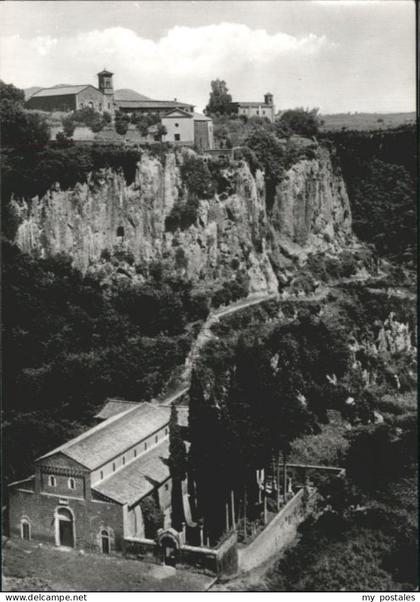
(61, 90)
(252, 104)
(138, 478)
(112, 437)
(112, 407)
(150, 104)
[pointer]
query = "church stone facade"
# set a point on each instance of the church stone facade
(87, 493)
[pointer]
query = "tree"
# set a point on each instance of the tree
(161, 131)
(11, 93)
(68, 126)
(300, 121)
(220, 100)
(121, 123)
(22, 128)
(86, 116)
(177, 467)
(271, 158)
(381, 453)
(152, 516)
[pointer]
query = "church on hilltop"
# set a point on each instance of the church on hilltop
(183, 125)
(65, 98)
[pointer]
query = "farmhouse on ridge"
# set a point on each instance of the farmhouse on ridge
(256, 109)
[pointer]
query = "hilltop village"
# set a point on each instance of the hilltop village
(179, 123)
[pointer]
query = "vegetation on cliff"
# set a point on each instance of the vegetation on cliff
(379, 168)
(366, 538)
(275, 373)
(20, 128)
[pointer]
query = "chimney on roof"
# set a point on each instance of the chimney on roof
(175, 100)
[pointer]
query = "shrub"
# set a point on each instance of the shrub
(300, 121)
(197, 177)
(121, 123)
(152, 516)
(22, 128)
(271, 158)
(86, 116)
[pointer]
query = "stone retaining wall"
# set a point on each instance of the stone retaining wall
(221, 561)
(277, 534)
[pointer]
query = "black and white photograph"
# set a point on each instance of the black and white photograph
(208, 298)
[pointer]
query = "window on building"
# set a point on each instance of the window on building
(177, 137)
(71, 483)
(100, 106)
(257, 112)
(145, 445)
(123, 460)
(102, 475)
(52, 481)
(156, 438)
(177, 125)
(105, 541)
(135, 453)
(109, 105)
(113, 467)
(166, 486)
(263, 112)
(166, 431)
(25, 529)
(120, 231)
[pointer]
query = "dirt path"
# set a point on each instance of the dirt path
(214, 316)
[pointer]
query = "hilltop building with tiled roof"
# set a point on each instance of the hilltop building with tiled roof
(185, 127)
(256, 109)
(65, 98)
(87, 493)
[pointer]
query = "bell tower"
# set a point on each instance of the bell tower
(105, 85)
(268, 98)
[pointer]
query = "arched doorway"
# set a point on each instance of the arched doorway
(169, 550)
(105, 542)
(25, 529)
(65, 528)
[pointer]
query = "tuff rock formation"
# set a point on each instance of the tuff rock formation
(232, 232)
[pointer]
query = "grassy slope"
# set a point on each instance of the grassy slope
(27, 567)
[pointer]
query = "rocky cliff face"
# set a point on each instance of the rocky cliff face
(232, 232)
(311, 211)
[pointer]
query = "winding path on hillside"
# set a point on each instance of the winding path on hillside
(205, 333)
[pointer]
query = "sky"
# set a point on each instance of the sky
(338, 55)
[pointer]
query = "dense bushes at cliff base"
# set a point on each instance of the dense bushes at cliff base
(379, 169)
(71, 343)
(367, 538)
